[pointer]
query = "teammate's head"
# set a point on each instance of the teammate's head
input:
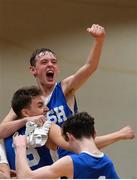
(80, 125)
(28, 101)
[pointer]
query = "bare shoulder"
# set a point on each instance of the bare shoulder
(64, 166)
(65, 162)
(69, 91)
(66, 84)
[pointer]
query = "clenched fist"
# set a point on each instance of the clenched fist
(97, 31)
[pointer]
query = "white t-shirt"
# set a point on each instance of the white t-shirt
(3, 158)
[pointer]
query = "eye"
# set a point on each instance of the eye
(40, 105)
(44, 61)
(54, 61)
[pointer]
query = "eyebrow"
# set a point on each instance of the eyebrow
(41, 102)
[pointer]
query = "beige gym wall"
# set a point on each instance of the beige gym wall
(110, 95)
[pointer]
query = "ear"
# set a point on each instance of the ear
(33, 70)
(25, 112)
(70, 136)
(94, 134)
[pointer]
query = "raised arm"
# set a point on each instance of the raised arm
(62, 167)
(22, 168)
(74, 82)
(122, 134)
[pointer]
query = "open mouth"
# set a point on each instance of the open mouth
(50, 74)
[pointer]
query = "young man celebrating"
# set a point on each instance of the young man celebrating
(59, 97)
(88, 162)
(27, 102)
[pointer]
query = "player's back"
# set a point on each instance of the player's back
(88, 166)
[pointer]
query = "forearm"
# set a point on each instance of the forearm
(124, 133)
(22, 169)
(9, 125)
(75, 81)
(94, 55)
(103, 141)
(8, 128)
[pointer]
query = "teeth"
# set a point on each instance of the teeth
(50, 71)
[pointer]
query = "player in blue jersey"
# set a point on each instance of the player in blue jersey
(28, 102)
(88, 162)
(60, 97)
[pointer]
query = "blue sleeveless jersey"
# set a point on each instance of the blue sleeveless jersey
(37, 157)
(59, 111)
(87, 166)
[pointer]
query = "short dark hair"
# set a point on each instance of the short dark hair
(37, 52)
(79, 125)
(22, 98)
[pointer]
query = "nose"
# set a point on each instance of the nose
(50, 63)
(46, 109)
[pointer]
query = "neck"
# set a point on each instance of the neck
(46, 89)
(87, 145)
